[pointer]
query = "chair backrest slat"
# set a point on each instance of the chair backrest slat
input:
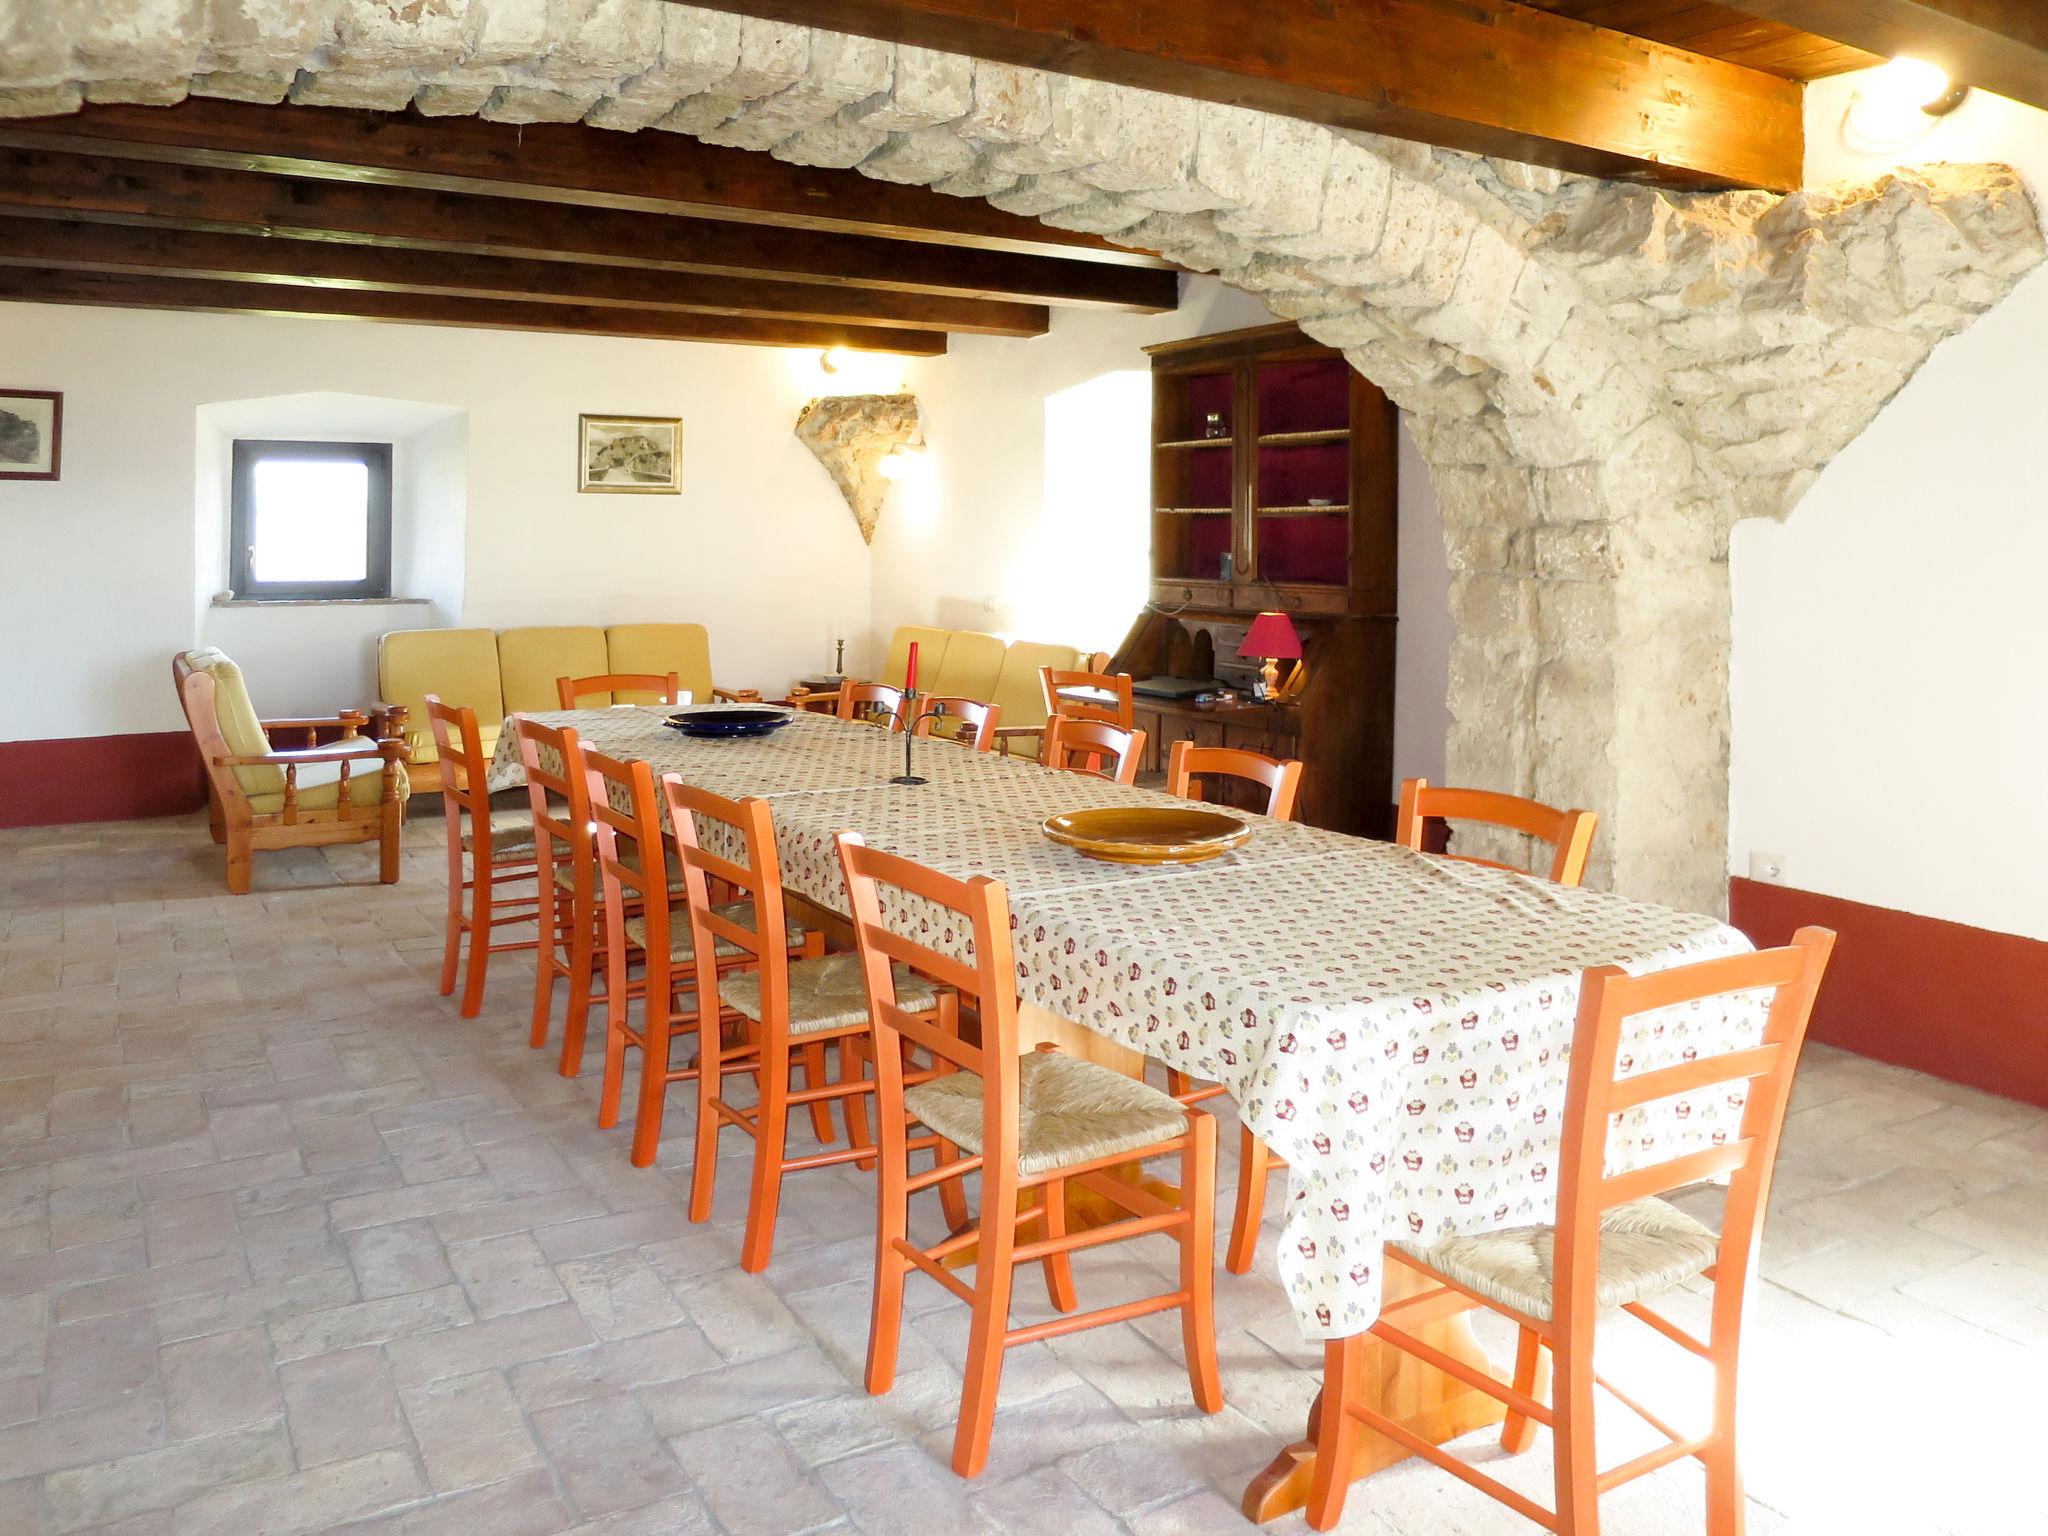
(1692, 1076)
(1080, 746)
(1569, 833)
(1280, 778)
(559, 836)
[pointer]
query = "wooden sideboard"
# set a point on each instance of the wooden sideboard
(1273, 489)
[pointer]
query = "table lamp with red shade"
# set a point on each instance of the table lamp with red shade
(1273, 637)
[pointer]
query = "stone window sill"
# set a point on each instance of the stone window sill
(222, 600)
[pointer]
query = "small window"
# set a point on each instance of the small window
(310, 520)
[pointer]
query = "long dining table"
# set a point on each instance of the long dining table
(1395, 1025)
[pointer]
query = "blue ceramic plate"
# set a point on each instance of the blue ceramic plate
(712, 723)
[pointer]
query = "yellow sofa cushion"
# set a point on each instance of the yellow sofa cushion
(531, 660)
(684, 649)
(970, 668)
(1017, 692)
(320, 784)
(931, 654)
(459, 666)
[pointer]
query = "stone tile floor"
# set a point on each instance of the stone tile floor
(286, 1246)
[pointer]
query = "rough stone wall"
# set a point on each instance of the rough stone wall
(1603, 377)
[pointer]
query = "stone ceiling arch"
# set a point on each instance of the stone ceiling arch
(1603, 377)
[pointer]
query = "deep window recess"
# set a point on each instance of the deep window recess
(310, 520)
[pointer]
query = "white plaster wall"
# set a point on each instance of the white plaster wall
(1034, 496)
(102, 577)
(1890, 730)
(1030, 516)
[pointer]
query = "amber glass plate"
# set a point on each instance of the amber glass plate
(1147, 834)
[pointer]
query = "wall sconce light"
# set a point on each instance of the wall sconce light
(902, 464)
(1900, 103)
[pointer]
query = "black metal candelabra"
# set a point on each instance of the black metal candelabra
(908, 776)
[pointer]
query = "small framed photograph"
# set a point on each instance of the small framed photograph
(637, 455)
(31, 433)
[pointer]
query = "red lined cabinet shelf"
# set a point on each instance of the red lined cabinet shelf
(1273, 488)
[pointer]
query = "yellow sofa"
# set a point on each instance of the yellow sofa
(498, 672)
(971, 665)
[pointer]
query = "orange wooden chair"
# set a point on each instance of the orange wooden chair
(570, 902)
(1028, 1126)
(795, 1004)
(1103, 696)
(1082, 746)
(500, 845)
(1280, 778)
(666, 687)
(1614, 1245)
(976, 721)
(645, 928)
(1569, 833)
(872, 704)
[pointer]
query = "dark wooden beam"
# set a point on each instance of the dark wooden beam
(72, 245)
(37, 284)
(646, 172)
(1489, 76)
(35, 177)
(2001, 45)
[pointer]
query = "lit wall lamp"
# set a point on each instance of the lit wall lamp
(1900, 103)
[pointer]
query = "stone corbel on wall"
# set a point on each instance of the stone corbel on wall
(851, 435)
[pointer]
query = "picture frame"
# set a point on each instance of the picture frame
(31, 434)
(629, 455)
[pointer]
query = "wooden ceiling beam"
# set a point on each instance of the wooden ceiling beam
(646, 172)
(1488, 76)
(37, 284)
(72, 245)
(2001, 45)
(34, 177)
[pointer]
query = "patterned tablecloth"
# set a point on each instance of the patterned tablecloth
(1397, 1026)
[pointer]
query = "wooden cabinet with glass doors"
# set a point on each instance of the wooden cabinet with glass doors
(1273, 488)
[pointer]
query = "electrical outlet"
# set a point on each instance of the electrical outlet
(988, 605)
(1767, 867)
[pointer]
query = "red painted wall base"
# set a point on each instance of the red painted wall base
(1962, 1003)
(99, 778)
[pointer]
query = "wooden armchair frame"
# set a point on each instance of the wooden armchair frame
(245, 831)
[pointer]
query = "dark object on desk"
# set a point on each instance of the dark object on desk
(1173, 687)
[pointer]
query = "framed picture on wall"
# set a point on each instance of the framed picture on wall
(637, 455)
(31, 433)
